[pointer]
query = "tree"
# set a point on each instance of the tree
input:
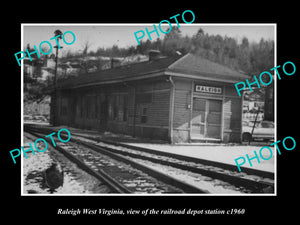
(131, 50)
(172, 42)
(262, 56)
(157, 44)
(243, 56)
(86, 47)
(245, 43)
(175, 33)
(197, 39)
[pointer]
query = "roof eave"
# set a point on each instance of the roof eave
(205, 76)
(151, 74)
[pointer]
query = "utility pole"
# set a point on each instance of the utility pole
(254, 125)
(53, 120)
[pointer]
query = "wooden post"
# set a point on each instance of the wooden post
(254, 124)
(171, 109)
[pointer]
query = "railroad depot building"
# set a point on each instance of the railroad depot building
(179, 99)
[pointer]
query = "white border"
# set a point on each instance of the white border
(275, 107)
(22, 109)
(149, 24)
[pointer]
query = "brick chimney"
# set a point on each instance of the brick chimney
(154, 54)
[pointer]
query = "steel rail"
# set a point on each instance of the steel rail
(255, 186)
(185, 187)
(225, 166)
(100, 174)
(235, 180)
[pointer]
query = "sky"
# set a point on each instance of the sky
(107, 35)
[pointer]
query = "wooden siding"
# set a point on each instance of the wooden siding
(181, 111)
(149, 102)
(150, 115)
(231, 110)
(157, 112)
(232, 116)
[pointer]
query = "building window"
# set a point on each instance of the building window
(118, 107)
(85, 107)
(144, 115)
(115, 107)
(88, 107)
(110, 108)
(78, 107)
(82, 104)
(98, 109)
(125, 105)
(64, 107)
(91, 107)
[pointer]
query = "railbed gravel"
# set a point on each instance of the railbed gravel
(135, 180)
(76, 181)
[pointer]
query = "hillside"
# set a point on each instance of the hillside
(250, 58)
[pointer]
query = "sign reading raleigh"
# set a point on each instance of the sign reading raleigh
(208, 89)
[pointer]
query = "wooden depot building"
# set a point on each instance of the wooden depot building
(179, 99)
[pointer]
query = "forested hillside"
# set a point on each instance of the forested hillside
(251, 58)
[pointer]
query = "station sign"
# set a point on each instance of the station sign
(208, 89)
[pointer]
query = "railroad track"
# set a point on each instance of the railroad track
(122, 175)
(75, 180)
(251, 181)
(247, 182)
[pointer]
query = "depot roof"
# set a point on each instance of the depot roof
(189, 66)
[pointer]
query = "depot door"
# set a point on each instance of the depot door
(206, 118)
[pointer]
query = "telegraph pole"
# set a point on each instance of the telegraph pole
(53, 120)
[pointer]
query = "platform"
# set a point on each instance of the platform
(215, 152)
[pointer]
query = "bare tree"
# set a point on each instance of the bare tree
(86, 47)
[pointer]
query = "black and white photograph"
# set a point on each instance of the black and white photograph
(149, 112)
(110, 111)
